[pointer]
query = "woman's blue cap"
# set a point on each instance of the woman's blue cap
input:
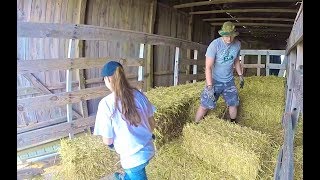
(109, 68)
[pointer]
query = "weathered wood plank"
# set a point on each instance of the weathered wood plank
(262, 52)
(253, 66)
(189, 77)
(52, 100)
(203, 3)
(40, 136)
(296, 34)
(176, 66)
(42, 124)
(30, 66)
(42, 88)
(185, 62)
(246, 11)
(276, 66)
(259, 63)
(256, 24)
(249, 19)
(298, 87)
(23, 91)
(286, 171)
(89, 32)
(149, 48)
(28, 173)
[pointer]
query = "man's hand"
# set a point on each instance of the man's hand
(209, 90)
(241, 81)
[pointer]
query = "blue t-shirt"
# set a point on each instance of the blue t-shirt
(224, 56)
(134, 144)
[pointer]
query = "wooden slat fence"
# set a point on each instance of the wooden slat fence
(294, 99)
(33, 137)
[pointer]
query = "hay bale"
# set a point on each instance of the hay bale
(172, 105)
(236, 150)
(177, 105)
(262, 102)
(86, 157)
(298, 162)
(298, 137)
(173, 162)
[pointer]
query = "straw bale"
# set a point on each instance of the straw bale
(237, 150)
(173, 162)
(86, 157)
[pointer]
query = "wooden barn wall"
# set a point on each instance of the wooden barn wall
(122, 14)
(168, 22)
(202, 33)
(35, 84)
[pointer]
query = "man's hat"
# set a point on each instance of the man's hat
(228, 29)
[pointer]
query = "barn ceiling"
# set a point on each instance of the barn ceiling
(266, 20)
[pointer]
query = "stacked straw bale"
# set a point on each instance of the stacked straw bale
(172, 112)
(86, 157)
(262, 102)
(174, 162)
(238, 151)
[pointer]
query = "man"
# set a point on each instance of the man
(221, 56)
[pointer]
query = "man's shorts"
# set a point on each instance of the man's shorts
(227, 90)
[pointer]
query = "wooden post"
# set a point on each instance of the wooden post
(140, 71)
(259, 62)
(242, 63)
(267, 64)
(286, 171)
(149, 48)
(291, 67)
(176, 67)
(189, 51)
(195, 57)
(69, 82)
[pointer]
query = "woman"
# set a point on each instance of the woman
(125, 121)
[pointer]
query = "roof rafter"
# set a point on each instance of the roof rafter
(203, 3)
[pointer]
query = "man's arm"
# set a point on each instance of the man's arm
(208, 71)
(238, 67)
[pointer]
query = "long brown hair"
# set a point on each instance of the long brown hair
(124, 94)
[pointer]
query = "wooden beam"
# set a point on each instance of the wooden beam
(261, 52)
(189, 77)
(51, 133)
(246, 11)
(90, 32)
(30, 66)
(78, 53)
(203, 3)
(149, 48)
(286, 171)
(249, 19)
(23, 91)
(42, 124)
(296, 34)
(185, 62)
(243, 30)
(253, 66)
(60, 99)
(256, 24)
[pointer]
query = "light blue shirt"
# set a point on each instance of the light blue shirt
(224, 56)
(134, 144)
